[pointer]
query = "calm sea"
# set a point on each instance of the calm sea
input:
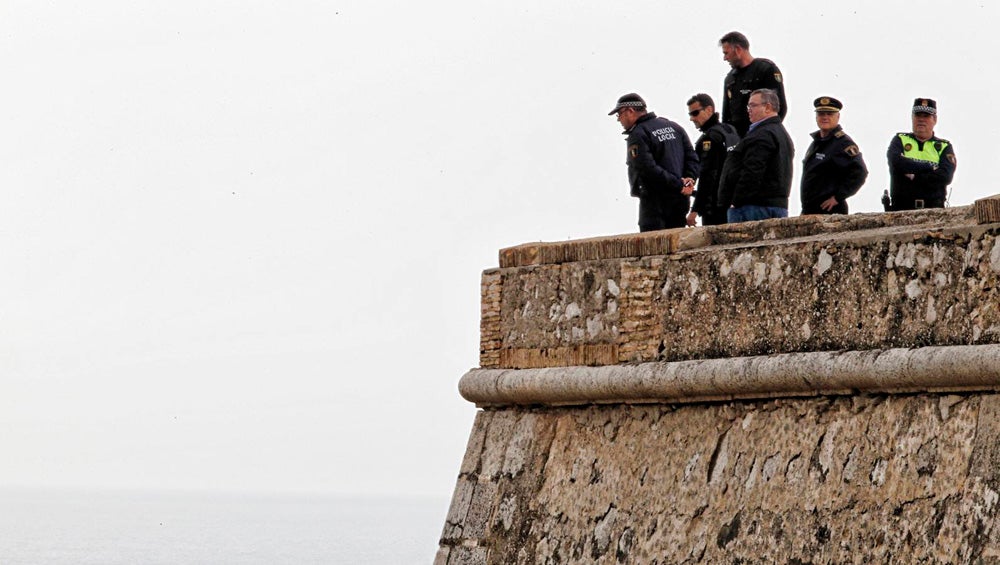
(118, 528)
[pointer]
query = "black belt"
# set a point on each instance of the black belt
(919, 204)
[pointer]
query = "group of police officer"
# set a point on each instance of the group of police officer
(742, 162)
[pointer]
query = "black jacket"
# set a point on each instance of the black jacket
(712, 147)
(758, 171)
(740, 83)
(833, 166)
(659, 154)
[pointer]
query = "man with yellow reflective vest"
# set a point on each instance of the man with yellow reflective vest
(921, 165)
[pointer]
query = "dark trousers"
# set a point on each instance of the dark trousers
(813, 208)
(657, 214)
(714, 217)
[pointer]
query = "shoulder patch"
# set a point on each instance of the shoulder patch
(706, 145)
(633, 151)
(852, 150)
(951, 159)
(777, 77)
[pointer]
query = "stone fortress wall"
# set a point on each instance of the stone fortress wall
(804, 390)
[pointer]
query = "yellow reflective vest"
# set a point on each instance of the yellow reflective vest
(930, 151)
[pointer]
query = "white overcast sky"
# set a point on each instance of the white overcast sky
(241, 242)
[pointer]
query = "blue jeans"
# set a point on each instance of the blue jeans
(753, 213)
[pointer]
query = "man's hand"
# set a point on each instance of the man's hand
(688, 188)
(828, 204)
(910, 176)
(692, 218)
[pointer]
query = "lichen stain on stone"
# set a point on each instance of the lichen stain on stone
(770, 467)
(572, 310)
(743, 263)
(506, 511)
(759, 274)
(805, 331)
(877, 475)
(751, 476)
(720, 458)
(823, 263)
(995, 256)
(906, 256)
(602, 532)
(930, 315)
(692, 464)
(613, 288)
(850, 466)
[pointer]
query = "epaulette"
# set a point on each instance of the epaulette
(840, 133)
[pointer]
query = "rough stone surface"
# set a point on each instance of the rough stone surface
(863, 351)
(863, 479)
(912, 284)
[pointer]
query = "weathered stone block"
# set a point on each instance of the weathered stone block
(877, 478)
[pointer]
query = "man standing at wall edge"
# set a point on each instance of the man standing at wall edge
(833, 169)
(662, 165)
(716, 140)
(921, 165)
(747, 75)
(757, 177)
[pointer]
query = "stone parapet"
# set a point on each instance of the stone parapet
(868, 281)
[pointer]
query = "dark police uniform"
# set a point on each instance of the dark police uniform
(740, 83)
(833, 166)
(659, 154)
(716, 140)
(931, 163)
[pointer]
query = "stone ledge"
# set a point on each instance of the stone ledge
(927, 369)
(667, 242)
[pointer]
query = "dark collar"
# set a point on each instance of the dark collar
(643, 118)
(712, 121)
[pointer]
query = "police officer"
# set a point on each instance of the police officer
(833, 169)
(921, 165)
(712, 147)
(747, 75)
(662, 165)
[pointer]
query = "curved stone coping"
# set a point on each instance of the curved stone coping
(926, 369)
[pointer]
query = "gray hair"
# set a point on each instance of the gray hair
(769, 96)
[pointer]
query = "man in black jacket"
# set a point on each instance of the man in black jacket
(757, 177)
(747, 75)
(712, 147)
(833, 169)
(662, 165)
